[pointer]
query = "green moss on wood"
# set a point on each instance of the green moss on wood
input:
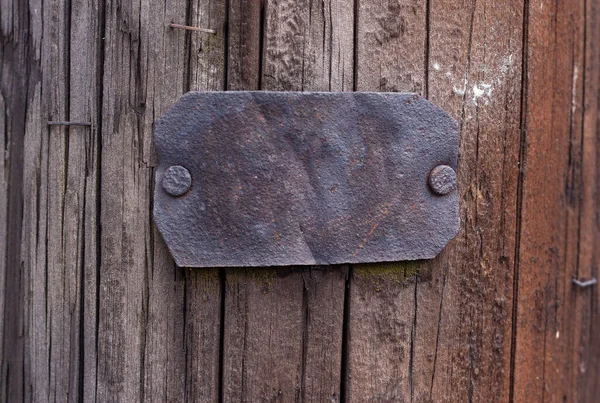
(394, 272)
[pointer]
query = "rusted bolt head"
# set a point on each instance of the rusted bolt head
(177, 180)
(442, 180)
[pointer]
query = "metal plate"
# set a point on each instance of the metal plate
(287, 178)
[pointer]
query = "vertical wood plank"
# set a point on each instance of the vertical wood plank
(62, 291)
(204, 305)
(141, 303)
(34, 227)
(3, 218)
(162, 64)
(82, 179)
(545, 261)
(555, 241)
(4, 162)
(462, 302)
(584, 369)
(577, 258)
(380, 333)
(390, 46)
(203, 312)
(208, 51)
(61, 326)
(279, 341)
(474, 74)
(124, 196)
(53, 314)
(55, 168)
(34, 250)
(308, 46)
(262, 356)
(245, 44)
(426, 331)
(324, 296)
(19, 92)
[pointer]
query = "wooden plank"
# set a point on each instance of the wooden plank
(584, 368)
(442, 335)
(578, 255)
(158, 313)
(262, 348)
(204, 304)
(82, 180)
(162, 80)
(61, 281)
(308, 46)
(390, 52)
(461, 309)
(63, 253)
(124, 220)
(53, 190)
(465, 310)
(390, 46)
(4, 159)
(567, 301)
(380, 332)
(61, 247)
(208, 51)
(203, 334)
(554, 316)
(12, 82)
(546, 324)
(324, 295)
(280, 342)
(276, 343)
(141, 302)
(245, 44)
(34, 226)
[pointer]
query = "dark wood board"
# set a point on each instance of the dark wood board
(93, 308)
(304, 46)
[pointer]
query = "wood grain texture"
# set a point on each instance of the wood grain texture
(4, 158)
(203, 329)
(204, 288)
(283, 336)
(123, 284)
(308, 46)
(584, 371)
(263, 312)
(390, 45)
(279, 342)
(557, 230)
(380, 333)
(84, 152)
(475, 74)
(21, 94)
(152, 350)
(390, 52)
(245, 38)
(92, 307)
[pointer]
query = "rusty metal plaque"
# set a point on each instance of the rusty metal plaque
(288, 178)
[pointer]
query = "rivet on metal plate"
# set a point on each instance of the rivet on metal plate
(287, 178)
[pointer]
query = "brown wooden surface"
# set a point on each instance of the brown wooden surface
(92, 307)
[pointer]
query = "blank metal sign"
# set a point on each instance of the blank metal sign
(290, 178)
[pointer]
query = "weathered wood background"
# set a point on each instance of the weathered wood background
(92, 308)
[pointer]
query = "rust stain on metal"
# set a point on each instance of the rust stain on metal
(286, 178)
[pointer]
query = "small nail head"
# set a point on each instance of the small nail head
(177, 180)
(442, 180)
